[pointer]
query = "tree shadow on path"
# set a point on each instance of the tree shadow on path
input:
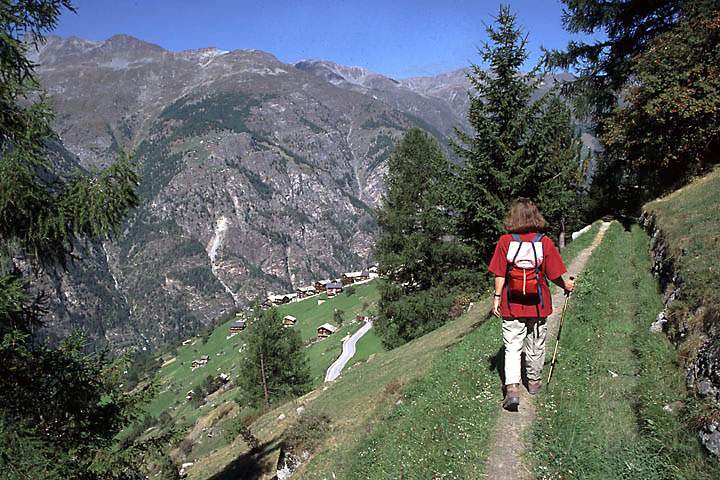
(251, 465)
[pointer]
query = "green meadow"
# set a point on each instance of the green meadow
(176, 377)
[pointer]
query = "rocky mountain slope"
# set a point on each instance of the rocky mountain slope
(258, 176)
(435, 109)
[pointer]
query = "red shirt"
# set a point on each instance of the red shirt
(552, 267)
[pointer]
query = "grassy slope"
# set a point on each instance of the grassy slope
(368, 345)
(176, 378)
(593, 424)
(364, 401)
(443, 426)
(355, 404)
(690, 221)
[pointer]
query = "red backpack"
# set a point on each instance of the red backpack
(524, 274)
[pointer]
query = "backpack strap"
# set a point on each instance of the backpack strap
(515, 237)
(537, 272)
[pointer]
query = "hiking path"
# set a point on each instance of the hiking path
(506, 460)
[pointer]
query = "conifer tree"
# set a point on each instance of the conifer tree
(668, 127)
(658, 57)
(60, 408)
(517, 148)
(420, 259)
(274, 365)
(626, 28)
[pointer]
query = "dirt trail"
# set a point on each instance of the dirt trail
(506, 459)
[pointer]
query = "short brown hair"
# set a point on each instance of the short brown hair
(524, 217)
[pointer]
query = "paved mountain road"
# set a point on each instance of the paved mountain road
(348, 351)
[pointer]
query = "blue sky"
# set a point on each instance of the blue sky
(399, 38)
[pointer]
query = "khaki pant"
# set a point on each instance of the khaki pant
(528, 335)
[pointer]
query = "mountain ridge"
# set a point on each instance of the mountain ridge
(258, 175)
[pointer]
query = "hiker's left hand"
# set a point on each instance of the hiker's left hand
(496, 307)
(569, 286)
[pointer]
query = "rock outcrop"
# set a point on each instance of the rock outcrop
(693, 328)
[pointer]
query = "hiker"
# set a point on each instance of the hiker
(524, 258)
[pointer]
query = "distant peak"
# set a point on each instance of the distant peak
(336, 73)
(202, 54)
(72, 41)
(123, 40)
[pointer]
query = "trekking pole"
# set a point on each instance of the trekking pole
(557, 339)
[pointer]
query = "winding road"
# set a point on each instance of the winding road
(348, 351)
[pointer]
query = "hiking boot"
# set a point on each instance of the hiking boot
(512, 397)
(534, 386)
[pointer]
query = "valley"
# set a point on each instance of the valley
(256, 175)
(185, 393)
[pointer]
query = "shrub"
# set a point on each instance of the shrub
(308, 433)
(404, 317)
(339, 317)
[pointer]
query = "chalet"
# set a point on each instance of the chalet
(303, 292)
(200, 363)
(361, 318)
(325, 330)
(334, 288)
(281, 299)
(354, 277)
(289, 321)
(238, 326)
(189, 395)
(320, 285)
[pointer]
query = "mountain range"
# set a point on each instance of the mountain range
(258, 176)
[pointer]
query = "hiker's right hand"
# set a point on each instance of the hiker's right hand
(496, 307)
(569, 286)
